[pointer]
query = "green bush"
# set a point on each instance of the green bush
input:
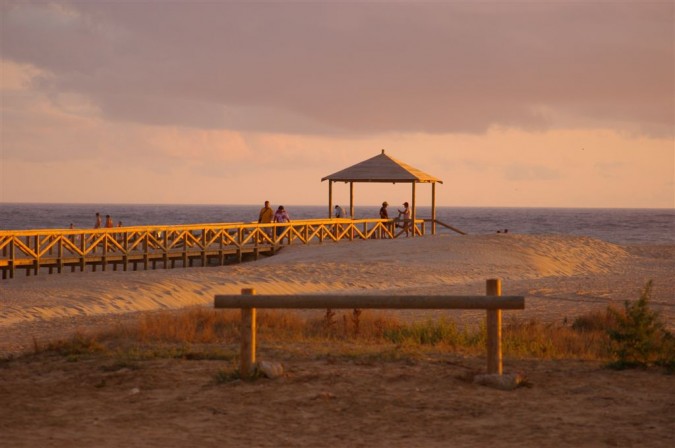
(639, 336)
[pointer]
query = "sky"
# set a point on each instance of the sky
(511, 104)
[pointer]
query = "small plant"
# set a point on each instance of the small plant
(430, 333)
(639, 337)
(356, 315)
(595, 321)
(79, 344)
(329, 320)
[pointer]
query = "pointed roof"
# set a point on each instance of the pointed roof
(381, 168)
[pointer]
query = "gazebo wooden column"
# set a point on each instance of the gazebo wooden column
(330, 199)
(414, 209)
(433, 208)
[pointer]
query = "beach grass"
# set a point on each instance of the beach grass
(214, 334)
(633, 336)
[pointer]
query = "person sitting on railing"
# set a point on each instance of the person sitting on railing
(339, 212)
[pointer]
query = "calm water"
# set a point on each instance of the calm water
(623, 226)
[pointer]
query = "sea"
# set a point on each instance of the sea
(621, 226)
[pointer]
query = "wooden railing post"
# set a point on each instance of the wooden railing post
(248, 330)
(493, 287)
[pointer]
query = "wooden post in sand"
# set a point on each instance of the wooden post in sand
(493, 287)
(248, 330)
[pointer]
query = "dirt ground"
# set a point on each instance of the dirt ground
(425, 400)
(51, 400)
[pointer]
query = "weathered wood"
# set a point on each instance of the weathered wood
(433, 208)
(447, 226)
(143, 247)
(348, 301)
(493, 301)
(248, 337)
(493, 288)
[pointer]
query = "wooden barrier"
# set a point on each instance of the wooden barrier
(169, 246)
(493, 302)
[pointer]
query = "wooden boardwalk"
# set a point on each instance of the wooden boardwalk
(165, 247)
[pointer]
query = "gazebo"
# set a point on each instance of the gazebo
(383, 168)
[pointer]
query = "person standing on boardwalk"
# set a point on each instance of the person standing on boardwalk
(109, 222)
(404, 215)
(265, 216)
(281, 216)
(384, 215)
(98, 223)
(339, 212)
(383, 211)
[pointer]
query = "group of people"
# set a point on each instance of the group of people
(403, 217)
(267, 215)
(108, 222)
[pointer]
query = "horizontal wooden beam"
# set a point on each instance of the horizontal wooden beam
(319, 301)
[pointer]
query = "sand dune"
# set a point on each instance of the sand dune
(561, 276)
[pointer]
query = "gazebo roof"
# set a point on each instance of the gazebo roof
(381, 168)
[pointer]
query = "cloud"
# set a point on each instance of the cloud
(355, 68)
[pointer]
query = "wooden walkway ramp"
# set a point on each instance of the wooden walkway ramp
(165, 247)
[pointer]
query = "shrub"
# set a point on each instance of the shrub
(639, 337)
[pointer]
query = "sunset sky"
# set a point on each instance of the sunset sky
(541, 104)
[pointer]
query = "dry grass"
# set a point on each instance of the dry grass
(214, 334)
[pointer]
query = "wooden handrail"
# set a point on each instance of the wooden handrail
(54, 249)
(349, 301)
(493, 302)
(447, 226)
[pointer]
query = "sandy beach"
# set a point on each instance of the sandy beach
(427, 402)
(560, 276)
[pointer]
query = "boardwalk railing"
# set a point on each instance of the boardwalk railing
(493, 302)
(167, 247)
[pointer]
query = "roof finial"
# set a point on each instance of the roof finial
(383, 151)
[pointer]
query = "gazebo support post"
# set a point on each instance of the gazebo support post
(433, 208)
(414, 209)
(330, 199)
(351, 200)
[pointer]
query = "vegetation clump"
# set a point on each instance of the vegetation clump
(629, 337)
(638, 337)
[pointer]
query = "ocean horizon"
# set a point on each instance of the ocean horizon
(616, 225)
